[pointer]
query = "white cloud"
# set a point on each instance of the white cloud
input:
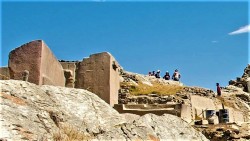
(214, 41)
(243, 29)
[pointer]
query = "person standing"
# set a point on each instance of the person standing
(218, 89)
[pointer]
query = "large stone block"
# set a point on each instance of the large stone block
(39, 61)
(200, 104)
(100, 74)
(236, 115)
(186, 113)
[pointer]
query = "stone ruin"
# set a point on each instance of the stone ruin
(193, 104)
(101, 74)
(38, 59)
(35, 63)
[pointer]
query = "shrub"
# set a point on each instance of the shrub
(69, 133)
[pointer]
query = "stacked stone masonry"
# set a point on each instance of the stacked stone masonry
(100, 74)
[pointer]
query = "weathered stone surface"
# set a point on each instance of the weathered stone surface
(70, 67)
(29, 107)
(186, 113)
(198, 91)
(31, 112)
(153, 127)
(248, 84)
(223, 132)
(202, 102)
(130, 117)
(100, 74)
(4, 73)
(243, 81)
(37, 58)
(142, 109)
(70, 80)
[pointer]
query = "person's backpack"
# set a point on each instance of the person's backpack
(157, 75)
(176, 76)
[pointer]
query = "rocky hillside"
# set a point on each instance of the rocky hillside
(243, 81)
(31, 112)
(237, 100)
(143, 89)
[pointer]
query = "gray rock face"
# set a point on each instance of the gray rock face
(39, 110)
(243, 81)
(153, 127)
(31, 112)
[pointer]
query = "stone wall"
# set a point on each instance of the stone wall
(186, 113)
(199, 104)
(100, 74)
(37, 58)
(114, 80)
(69, 72)
(26, 57)
(51, 69)
(157, 109)
(4, 73)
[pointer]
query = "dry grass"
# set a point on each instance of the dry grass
(157, 88)
(226, 102)
(69, 133)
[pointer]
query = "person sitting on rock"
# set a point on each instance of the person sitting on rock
(166, 76)
(157, 75)
(149, 73)
(176, 76)
(153, 73)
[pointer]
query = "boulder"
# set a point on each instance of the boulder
(31, 112)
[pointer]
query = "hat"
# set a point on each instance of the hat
(158, 70)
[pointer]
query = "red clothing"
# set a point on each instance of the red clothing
(218, 91)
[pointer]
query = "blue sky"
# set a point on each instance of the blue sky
(206, 41)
